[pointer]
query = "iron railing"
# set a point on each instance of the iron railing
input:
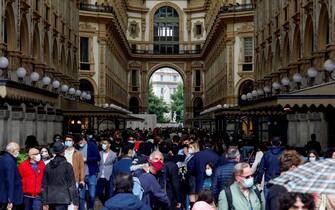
(96, 8)
(180, 52)
(231, 8)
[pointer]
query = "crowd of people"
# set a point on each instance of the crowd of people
(160, 169)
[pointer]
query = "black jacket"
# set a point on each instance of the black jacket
(172, 184)
(59, 185)
(272, 200)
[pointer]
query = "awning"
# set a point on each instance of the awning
(80, 109)
(318, 95)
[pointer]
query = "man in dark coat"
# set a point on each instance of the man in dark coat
(124, 199)
(198, 163)
(224, 174)
(269, 165)
(59, 184)
(10, 180)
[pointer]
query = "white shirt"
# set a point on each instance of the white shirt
(69, 155)
(104, 158)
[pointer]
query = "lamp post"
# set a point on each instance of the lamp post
(46, 81)
(21, 73)
(276, 87)
(329, 67)
(3, 65)
(286, 83)
(312, 73)
(297, 78)
(34, 76)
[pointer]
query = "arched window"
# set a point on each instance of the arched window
(166, 31)
(86, 86)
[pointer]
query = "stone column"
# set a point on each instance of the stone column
(15, 127)
(30, 124)
(292, 132)
(41, 127)
(58, 127)
(50, 127)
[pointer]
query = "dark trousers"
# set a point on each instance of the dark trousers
(32, 203)
(58, 206)
(103, 189)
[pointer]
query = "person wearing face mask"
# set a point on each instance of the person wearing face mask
(153, 195)
(10, 181)
(241, 194)
(208, 176)
(31, 171)
(312, 156)
(75, 158)
(108, 158)
(90, 152)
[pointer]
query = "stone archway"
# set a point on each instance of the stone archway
(9, 27)
(308, 37)
(323, 28)
(24, 36)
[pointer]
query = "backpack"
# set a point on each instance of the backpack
(229, 197)
(137, 188)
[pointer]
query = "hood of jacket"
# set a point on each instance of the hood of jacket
(276, 150)
(124, 201)
(58, 160)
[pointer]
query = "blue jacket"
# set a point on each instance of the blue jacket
(125, 201)
(10, 180)
(223, 177)
(198, 163)
(153, 192)
(93, 157)
(269, 164)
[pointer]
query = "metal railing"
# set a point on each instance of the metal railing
(231, 8)
(96, 8)
(180, 52)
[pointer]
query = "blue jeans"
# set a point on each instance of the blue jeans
(91, 183)
(32, 203)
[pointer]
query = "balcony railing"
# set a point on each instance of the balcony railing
(231, 8)
(96, 8)
(180, 52)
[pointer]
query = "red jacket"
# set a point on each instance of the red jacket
(31, 181)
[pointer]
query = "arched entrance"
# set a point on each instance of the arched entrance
(134, 105)
(166, 95)
(86, 86)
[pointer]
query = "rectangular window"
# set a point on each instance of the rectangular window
(84, 65)
(248, 50)
(162, 91)
(36, 5)
(47, 13)
(198, 48)
(134, 78)
(162, 77)
(198, 29)
(197, 78)
(175, 78)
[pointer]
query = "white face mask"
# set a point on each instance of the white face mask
(190, 150)
(209, 172)
(37, 158)
(312, 159)
(16, 155)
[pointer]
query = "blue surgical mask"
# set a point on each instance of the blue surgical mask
(68, 144)
(81, 145)
(104, 146)
(248, 183)
(190, 150)
(209, 172)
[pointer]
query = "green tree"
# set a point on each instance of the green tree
(177, 103)
(157, 105)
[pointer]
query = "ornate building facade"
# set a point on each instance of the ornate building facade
(294, 48)
(38, 45)
(209, 43)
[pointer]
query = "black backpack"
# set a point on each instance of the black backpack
(229, 197)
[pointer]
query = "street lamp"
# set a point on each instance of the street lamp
(55, 84)
(21, 73)
(249, 96)
(254, 93)
(78, 93)
(3, 64)
(72, 91)
(34, 76)
(260, 92)
(297, 78)
(329, 67)
(267, 90)
(286, 82)
(46, 81)
(312, 73)
(243, 97)
(64, 88)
